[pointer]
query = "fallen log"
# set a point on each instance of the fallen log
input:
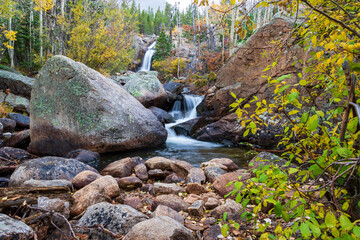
(17, 195)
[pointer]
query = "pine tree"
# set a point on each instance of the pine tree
(163, 47)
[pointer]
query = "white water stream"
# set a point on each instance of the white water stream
(146, 65)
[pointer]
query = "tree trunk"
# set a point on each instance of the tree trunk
(232, 32)
(41, 33)
(11, 43)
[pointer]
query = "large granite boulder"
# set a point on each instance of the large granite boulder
(119, 219)
(17, 83)
(74, 106)
(162, 228)
(146, 87)
(48, 168)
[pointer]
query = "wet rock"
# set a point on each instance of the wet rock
(157, 174)
(197, 208)
(212, 203)
(171, 201)
(181, 168)
(231, 207)
(189, 127)
(48, 168)
(84, 156)
(14, 229)
(47, 183)
(56, 205)
(121, 168)
(231, 166)
(109, 120)
(195, 188)
(21, 120)
(221, 181)
(162, 115)
(84, 178)
(102, 189)
(213, 233)
(158, 163)
(162, 227)
(134, 202)
(174, 87)
(173, 178)
(129, 183)
(196, 175)
(266, 158)
(163, 210)
(213, 172)
(117, 218)
(146, 88)
(4, 182)
(19, 140)
(17, 83)
(167, 188)
(8, 124)
(141, 171)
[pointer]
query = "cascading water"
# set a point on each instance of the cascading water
(146, 65)
(183, 114)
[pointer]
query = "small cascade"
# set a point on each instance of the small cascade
(183, 112)
(146, 65)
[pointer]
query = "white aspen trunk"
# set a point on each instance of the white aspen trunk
(41, 33)
(223, 46)
(258, 21)
(207, 21)
(62, 3)
(30, 29)
(11, 43)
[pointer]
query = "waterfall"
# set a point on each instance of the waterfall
(146, 65)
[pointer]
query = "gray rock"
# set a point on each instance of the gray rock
(84, 156)
(11, 153)
(163, 210)
(196, 175)
(174, 87)
(171, 201)
(157, 174)
(212, 173)
(17, 83)
(158, 163)
(266, 158)
(167, 188)
(231, 207)
(162, 115)
(75, 107)
(14, 229)
(212, 203)
(213, 233)
(146, 88)
(21, 120)
(231, 166)
(161, 228)
(18, 103)
(55, 204)
(141, 172)
(197, 208)
(173, 178)
(47, 168)
(19, 140)
(181, 168)
(47, 183)
(117, 218)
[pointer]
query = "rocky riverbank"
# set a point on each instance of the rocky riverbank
(132, 198)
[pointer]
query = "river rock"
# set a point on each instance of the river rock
(134, 202)
(48, 168)
(181, 168)
(266, 158)
(162, 115)
(84, 156)
(161, 227)
(84, 178)
(146, 87)
(119, 219)
(8, 124)
(141, 171)
(11, 229)
(212, 203)
(158, 163)
(55, 204)
(163, 210)
(19, 140)
(75, 107)
(197, 208)
(102, 189)
(213, 172)
(157, 174)
(167, 188)
(196, 175)
(16, 154)
(221, 181)
(21, 120)
(173, 178)
(213, 233)
(170, 200)
(47, 183)
(231, 166)
(129, 183)
(231, 207)
(121, 168)
(17, 83)
(189, 127)
(195, 188)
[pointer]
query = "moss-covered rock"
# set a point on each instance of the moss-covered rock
(74, 106)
